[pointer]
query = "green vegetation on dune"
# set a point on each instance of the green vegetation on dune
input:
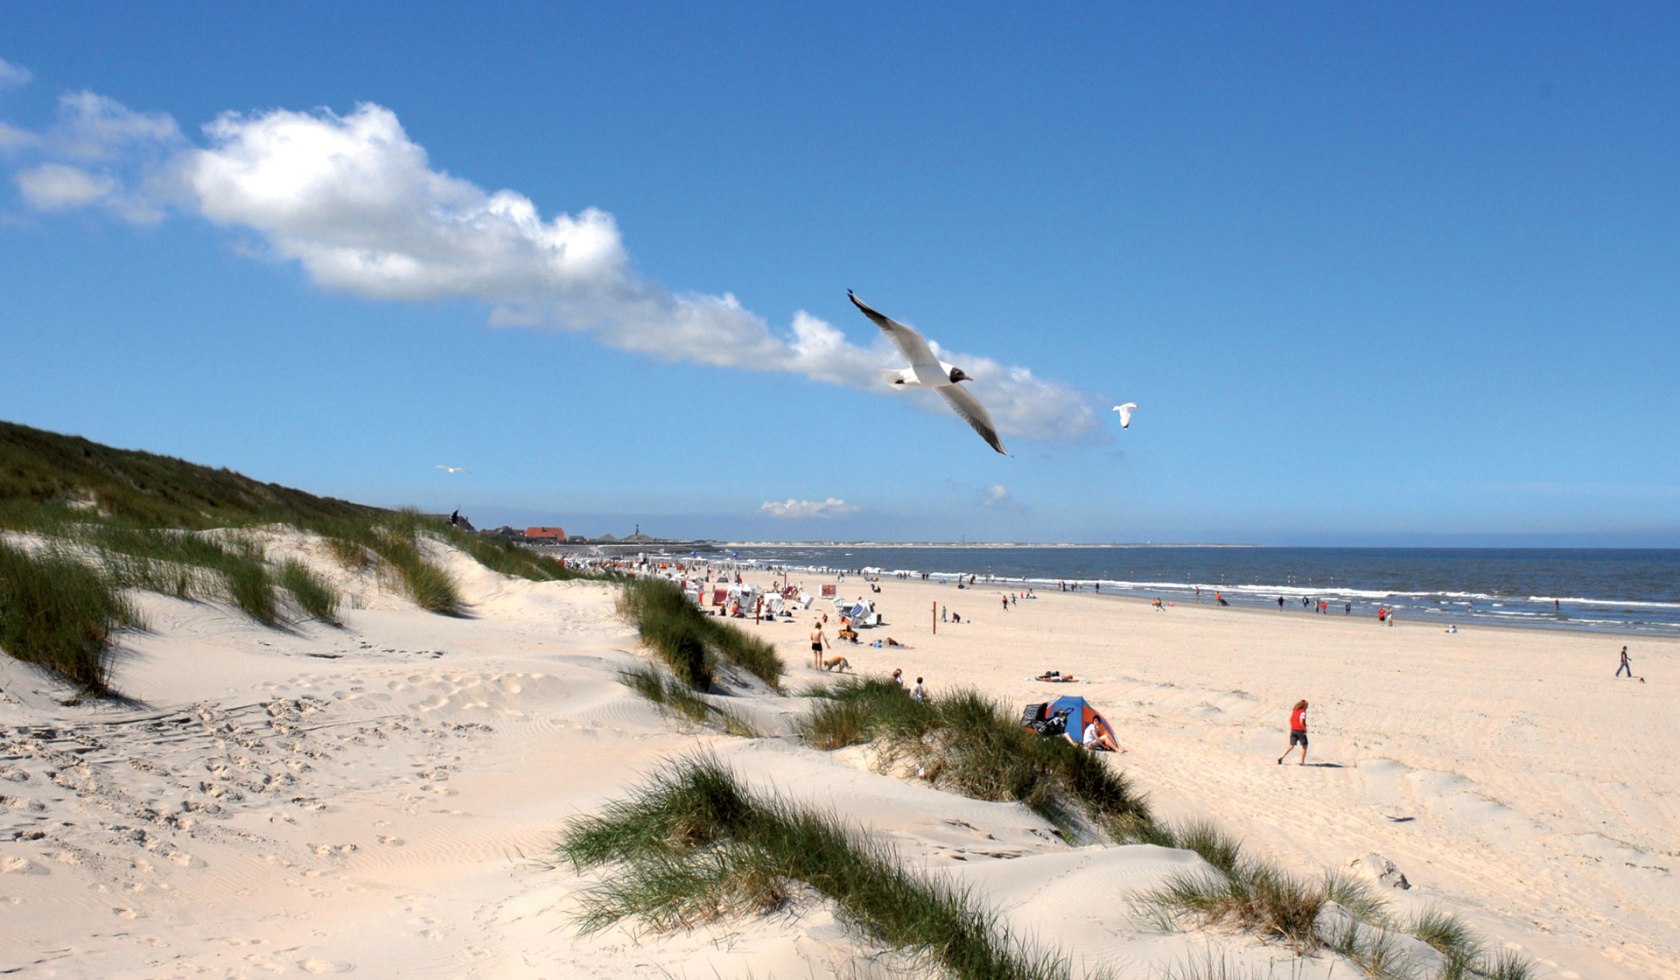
(694, 846)
(676, 698)
(967, 742)
(689, 641)
(1333, 913)
(396, 539)
(46, 478)
(58, 614)
(119, 519)
(187, 565)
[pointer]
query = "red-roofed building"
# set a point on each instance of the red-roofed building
(545, 534)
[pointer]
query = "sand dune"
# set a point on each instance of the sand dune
(383, 798)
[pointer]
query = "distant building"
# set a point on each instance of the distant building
(545, 534)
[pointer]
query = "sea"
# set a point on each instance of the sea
(1614, 590)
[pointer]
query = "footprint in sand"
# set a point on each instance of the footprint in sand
(21, 865)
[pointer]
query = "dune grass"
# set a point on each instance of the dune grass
(693, 846)
(310, 591)
(188, 565)
(690, 642)
(394, 538)
(503, 555)
(1263, 900)
(971, 744)
(57, 613)
(668, 624)
(675, 698)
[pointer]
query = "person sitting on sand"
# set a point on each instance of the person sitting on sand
(1297, 732)
(898, 676)
(918, 693)
(1095, 739)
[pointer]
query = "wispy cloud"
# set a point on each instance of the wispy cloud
(832, 507)
(358, 205)
(57, 186)
(13, 76)
(98, 153)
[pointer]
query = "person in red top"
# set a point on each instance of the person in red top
(1297, 732)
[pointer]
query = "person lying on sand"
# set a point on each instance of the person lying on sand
(1055, 677)
(837, 663)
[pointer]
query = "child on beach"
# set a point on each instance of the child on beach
(1297, 732)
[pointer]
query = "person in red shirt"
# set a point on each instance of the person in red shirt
(1297, 732)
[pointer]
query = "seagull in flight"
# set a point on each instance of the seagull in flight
(1126, 414)
(928, 371)
(451, 469)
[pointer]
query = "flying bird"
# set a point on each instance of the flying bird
(451, 469)
(1126, 414)
(928, 371)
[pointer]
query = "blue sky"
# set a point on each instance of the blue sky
(1374, 276)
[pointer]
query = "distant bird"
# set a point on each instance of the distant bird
(1126, 414)
(451, 469)
(928, 371)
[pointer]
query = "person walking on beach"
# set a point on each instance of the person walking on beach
(1297, 732)
(818, 641)
(1626, 665)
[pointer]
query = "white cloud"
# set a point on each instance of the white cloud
(832, 507)
(13, 76)
(57, 186)
(357, 203)
(998, 497)
(93, 127)
(13, 139)
(99, 153)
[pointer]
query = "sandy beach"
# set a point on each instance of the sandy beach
(384, 798)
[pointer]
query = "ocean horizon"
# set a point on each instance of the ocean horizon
(1634, 590)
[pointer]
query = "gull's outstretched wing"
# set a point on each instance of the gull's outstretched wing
(909, 343)
(973, 413)
(1126, 413)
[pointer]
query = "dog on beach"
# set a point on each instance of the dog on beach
(836, 663)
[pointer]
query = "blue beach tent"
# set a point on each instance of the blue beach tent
(1079, 714)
